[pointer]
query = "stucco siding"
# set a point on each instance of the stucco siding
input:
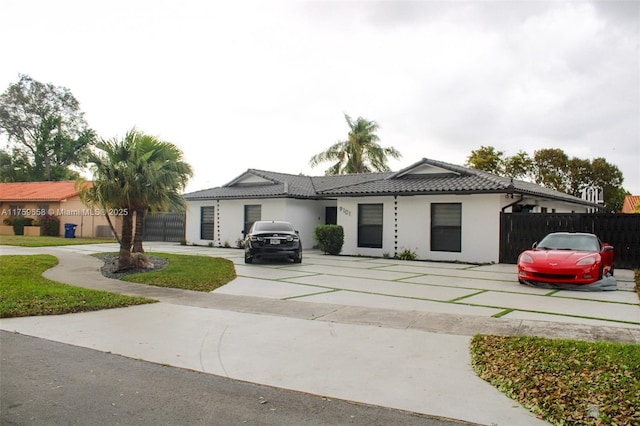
(542, 205)
(407, 225)
(305, 215)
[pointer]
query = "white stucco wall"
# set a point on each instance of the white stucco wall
(305, 215)
(551, 206)
(411, 228)
(406, 222)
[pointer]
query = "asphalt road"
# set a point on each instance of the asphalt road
(49, 383)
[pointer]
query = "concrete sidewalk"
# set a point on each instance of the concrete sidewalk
(415, 360)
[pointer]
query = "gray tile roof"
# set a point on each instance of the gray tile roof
(452, 179)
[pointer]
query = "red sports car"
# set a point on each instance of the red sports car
(566, 258)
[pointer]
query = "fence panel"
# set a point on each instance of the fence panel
(164, 227)
(519, 230)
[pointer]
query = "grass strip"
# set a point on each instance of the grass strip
(188, 272)
(25, 292)
(42, 241)
(564, 381)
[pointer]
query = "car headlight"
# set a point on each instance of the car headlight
(586, 261)
(525, 258)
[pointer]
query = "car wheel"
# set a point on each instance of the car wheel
(298, 258)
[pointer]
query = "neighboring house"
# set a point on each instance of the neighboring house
(34, 199)
(440, 211)
(631, 204)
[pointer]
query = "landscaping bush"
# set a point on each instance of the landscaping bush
(330, 238)
(407, 254)
(19, 223)
(50, 225)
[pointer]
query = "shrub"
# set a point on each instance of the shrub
(19, 223)
(407, 254)
(7, 221)
(49, 225)
(330, 238)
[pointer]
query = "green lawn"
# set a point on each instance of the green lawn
(199, 273)
(565, 382)
(25, 292)
(33, 241)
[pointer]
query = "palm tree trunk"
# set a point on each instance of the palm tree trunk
(124, 259)
(137, 237)
(113, 228)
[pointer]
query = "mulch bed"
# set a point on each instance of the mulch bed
(110, 268)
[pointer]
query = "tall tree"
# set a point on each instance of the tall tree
(359, 153)
(608, 177)
(553, 169)
(163, 175)
(551, 166)
(519, 166)
(134, 175)
(578, 175)
(487, 159)
(13, 168)
(46, 127)
(113, 179)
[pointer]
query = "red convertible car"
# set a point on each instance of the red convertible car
(566, 258)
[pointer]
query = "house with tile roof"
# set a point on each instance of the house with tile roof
(61, 199)
(631, 204)
(440, 211)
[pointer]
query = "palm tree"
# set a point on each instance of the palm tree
(133, 175)
(360, 153)
(160, 181)
(114, 177)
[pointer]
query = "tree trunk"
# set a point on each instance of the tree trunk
(124, 259)
(137, 237)
(113, 229)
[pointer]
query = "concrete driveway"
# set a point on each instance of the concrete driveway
(449, 288)
(461, 289)
(378, 331)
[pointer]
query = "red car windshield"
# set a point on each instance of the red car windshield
(569, 242)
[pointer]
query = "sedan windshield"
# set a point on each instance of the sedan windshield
(568, 242)
(272, 227)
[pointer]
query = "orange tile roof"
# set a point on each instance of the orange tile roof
(630, 203)
(37, 191)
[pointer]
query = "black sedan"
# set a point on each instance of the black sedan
(272, 239)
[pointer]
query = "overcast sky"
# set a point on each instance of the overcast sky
(265, 84)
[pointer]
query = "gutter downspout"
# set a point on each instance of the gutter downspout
(509, 193)
(514, 203)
